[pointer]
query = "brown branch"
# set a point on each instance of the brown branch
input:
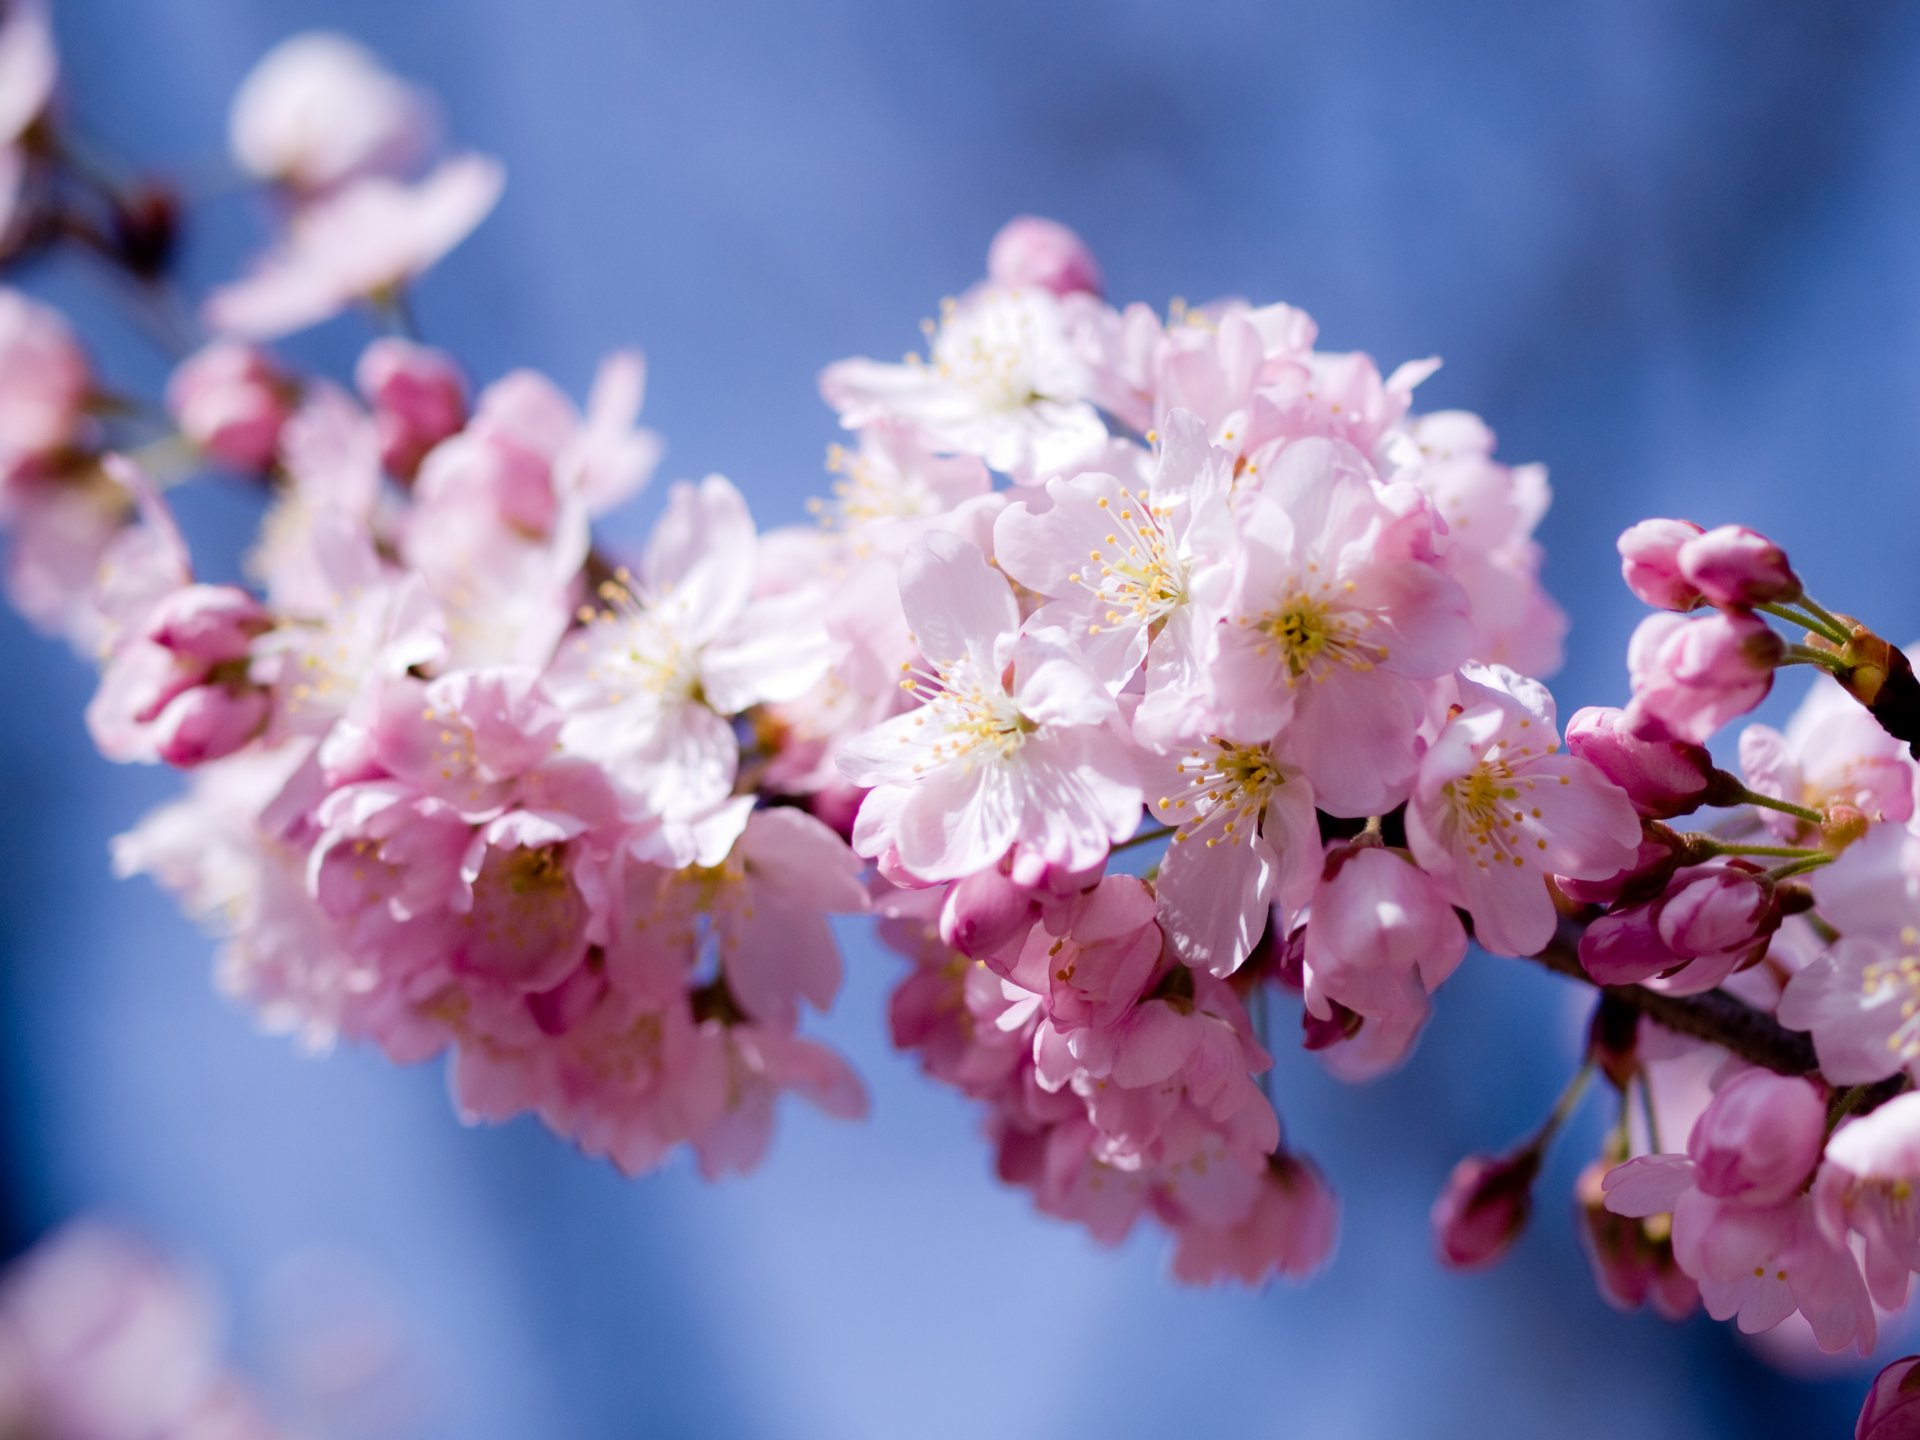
(1723, 1019)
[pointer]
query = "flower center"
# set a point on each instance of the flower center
(1488, 807)
(967, 713)
(1227, 790)
(1141, 575)
(647, 660)
(1315, 636)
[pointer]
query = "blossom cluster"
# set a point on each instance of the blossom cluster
(1144, 673)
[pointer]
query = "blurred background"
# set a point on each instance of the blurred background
(1671, 250)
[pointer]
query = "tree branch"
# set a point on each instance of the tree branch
(1716, 1016)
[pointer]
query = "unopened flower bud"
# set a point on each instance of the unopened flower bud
(1892, 1410)
(984, 912)
(418, 395)
(1650, 563)
(1759, 1139)
(230, 402)
(1662, 774)
(209, 722)
(213, 624)
(1658, 857)
(1694, 676)
(1732, 565)
(1717, 908)
(1030, 250)
(1483, 1208)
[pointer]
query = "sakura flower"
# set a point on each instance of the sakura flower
(1336, 614)
(680, 646)
(1132, 571)
(1002, 381)
(1088, 962)
(1833, 752)
(1484, 1207)
(1012, 741)
(1868, 1186)
(1860, 998)
(1742, 1226)
(318, 109)
(764, 904)
(1632, 1258)
(230, 401)
(1650, 564)
(1892, 1407)
(1290, 1230)
(1246, 840)
(1736, 567)
(890, 485)
(1381, 937)
(1695, 675)
(1496, 809)
(1030, 250)
(103, 1339)
(44, 382)
(361, 242)
(1490, 511)
(1663, 774)
(418, 395)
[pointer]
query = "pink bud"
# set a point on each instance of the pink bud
(43, 377)
(230, 401)
(1632, 1266)
(1732, 565)
(1623, 947)
(209, 722)
(1033, 251)
(1483, 1208)
(1759, 1139)
(985, 912)
(1892, 1411)
(1694, 676)
(1714, 909)
(1662, 774)
(419, 398)
(214, 624)
(1643, 880)
(558, 1010)
(1650, 563)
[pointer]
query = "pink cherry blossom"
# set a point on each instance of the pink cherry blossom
(1736, 567)
(1868, 1186)
(1135, 574)
(361, 242)
(1030, 250)
(1490, 512)
(1694, 676)
(1337, 612)
(318, 110)
(1483, 1208)
(1002, 380)
(1290, 1230)
(1892, 1408)
(418, 395)
(229, 400)
(44, 381)
(1496, 808)
(1632, 1258)
(1246, 840)
(681, 645)
(29, 68)
(1707, 922)
(1860, 998)
(1650, 563)
(1380, 939)
(1014, 740)
(1832, 752)
(1664, 775)
(103, 1339)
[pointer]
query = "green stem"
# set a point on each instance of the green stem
(1825, 617)
(1785, 807)
(1783, 852)
(1807, 655)
(1807, 621)
(1799, 867)
(1563, 1107)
